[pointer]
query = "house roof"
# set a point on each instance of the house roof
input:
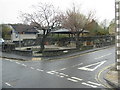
(67, 31)
(24, 28)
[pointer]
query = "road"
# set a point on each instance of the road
(72, 72)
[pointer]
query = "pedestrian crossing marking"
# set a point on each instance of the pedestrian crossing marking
(95, 65)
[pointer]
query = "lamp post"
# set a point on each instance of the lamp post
(117, 21)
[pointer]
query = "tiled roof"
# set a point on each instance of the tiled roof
(24, 28)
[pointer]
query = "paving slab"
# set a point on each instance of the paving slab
(113, 78)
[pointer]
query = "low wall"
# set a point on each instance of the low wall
(23, 52)
(50, 53)
(8, 47)
(87, 47)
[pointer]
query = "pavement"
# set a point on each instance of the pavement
(15, 56)
(111, 76)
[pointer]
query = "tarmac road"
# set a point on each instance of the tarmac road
(72, 72)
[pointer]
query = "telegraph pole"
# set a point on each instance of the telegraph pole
(117, 35)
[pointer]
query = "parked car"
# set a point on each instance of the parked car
(1, 41)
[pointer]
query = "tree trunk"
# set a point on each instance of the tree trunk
(42, 45)
(45, 34)
(77, 41)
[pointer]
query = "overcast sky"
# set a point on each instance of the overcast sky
(10, 8)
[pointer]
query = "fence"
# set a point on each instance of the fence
(96, 41)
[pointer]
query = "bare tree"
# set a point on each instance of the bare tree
(43, 18)
(104, 24)
(75, 21)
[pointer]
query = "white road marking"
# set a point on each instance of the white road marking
(50, 73)
(72, 80)
(77, 78)
(32, 68)
(89, 85)
(23, 65)
(63, 69)
(63, 74)
(98, 64)
(77, 65)
(58, 75)
(17, 62)
(94, 83)
(39, 70)
(55, 72)
(7, 59)
(8, 84)
(103, 56)
(11, 60)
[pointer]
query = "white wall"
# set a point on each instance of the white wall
(22, 36)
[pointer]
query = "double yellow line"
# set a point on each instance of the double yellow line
(99, 74)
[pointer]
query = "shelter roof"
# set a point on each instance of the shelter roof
(67, 31)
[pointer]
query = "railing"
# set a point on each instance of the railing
(97, 41)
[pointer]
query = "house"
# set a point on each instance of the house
(20, 32)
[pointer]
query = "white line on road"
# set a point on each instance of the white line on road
(7, 59)
(77, 65)
(60, 76)
(89, 85)
(39, 70)
(103, 56)
(62, 69)
(32, 68)
(11, 60)
(63, 74)
(96, 65)
(17, 62)
(55, 72)
(72, 80)
(8, 84)
(50, 73)
(94, 83)
(77, 78)
(71, 66)
(23, 65)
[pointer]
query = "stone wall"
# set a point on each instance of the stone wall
(10, 48)
(97, 41)
(23, 52)
(50, 53)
